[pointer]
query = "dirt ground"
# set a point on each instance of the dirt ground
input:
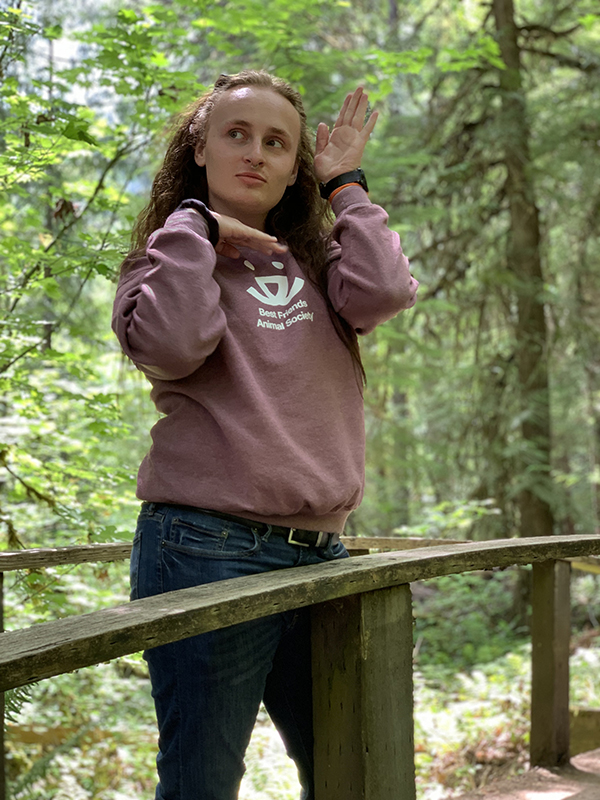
(579, 781)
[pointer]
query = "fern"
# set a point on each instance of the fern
(14, 699)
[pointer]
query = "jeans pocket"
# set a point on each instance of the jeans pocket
(211, 537)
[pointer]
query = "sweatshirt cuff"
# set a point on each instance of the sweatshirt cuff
(204, 211)
(349, 196)
(189, 220)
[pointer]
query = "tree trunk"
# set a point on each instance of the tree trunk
(524, 262)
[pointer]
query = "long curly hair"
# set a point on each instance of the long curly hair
(301, 219)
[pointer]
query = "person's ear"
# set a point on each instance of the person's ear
(199, 155)
(293, 176)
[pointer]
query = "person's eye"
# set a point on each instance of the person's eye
(275, 143)
(235, 134)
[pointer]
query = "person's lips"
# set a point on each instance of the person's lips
(251, 178)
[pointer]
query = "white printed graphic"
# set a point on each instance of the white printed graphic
(284, 318)
(283, 294)
(277, 264)
(249, 265)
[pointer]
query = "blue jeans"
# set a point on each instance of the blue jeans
(207, 689)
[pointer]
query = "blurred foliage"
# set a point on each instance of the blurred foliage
(92, 733)
(464, 620)
(84, 100)
(85, 97)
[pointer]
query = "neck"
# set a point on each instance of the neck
(247, 217)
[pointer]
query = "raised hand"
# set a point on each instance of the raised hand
(341, 150)
(232, 232)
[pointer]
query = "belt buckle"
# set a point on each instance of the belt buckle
(291, 539)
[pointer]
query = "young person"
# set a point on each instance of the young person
(241, 303)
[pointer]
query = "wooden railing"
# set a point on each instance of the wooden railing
(362, 643)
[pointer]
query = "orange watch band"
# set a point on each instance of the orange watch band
(339, 189)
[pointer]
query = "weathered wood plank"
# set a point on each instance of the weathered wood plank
(550, 635)
(585, 730)
(339, 760)
(54, 737)
(55, 647)
(39, 557)
(586, 565)
(388, 728)
(362, 697)
(393, 542)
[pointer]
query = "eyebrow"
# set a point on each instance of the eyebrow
(272, 129)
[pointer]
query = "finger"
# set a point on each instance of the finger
(358, 119)
(250, 235)
(353, 106)
(278, 247)
(363, 109)
(265, 244)
(340, 120)
(322, 138)
(228, 250)
(368, 129)
(245, 235)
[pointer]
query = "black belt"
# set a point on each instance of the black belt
(297, 536)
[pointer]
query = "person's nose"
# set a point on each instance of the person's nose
(254, 153)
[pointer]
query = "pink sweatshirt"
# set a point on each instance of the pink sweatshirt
(263, 413)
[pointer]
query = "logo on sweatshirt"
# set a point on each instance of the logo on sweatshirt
(282, 296)
(275, 290)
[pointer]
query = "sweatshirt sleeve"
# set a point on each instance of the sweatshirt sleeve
(166, 314)
(369, 279)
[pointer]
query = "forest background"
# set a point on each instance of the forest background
(483, 402)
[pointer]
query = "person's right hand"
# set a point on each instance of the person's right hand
(232, 232)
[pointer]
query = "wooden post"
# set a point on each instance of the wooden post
(357, 552)
(550, 634)
(363, 697)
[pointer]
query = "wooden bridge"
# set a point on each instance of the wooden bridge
(362, 642)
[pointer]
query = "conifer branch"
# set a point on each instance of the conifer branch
(565, 61)
(541, 31)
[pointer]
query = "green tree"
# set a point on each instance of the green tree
(478, 416)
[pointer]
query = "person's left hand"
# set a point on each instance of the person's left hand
(341, 150)
(234, 234)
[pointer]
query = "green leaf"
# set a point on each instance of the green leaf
(53, 32)
(588, 21)
(127, 16)
(202, 22)
(159, 59)
(77, 130)
(51, 288)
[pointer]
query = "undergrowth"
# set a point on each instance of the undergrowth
(91, 735)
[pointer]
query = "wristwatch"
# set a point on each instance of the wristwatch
(204, 211)
(356, 176)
